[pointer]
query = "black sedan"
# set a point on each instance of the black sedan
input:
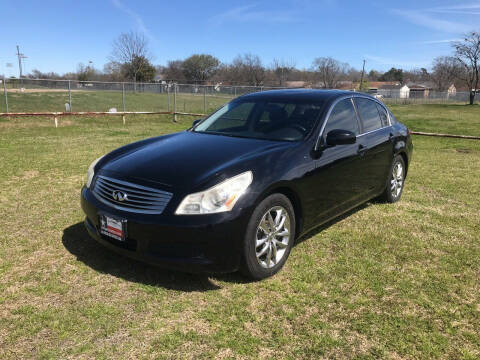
(234, 191)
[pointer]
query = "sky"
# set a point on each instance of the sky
(57, 35)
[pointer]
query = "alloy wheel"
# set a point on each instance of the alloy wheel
(396, 182)
(272, 237)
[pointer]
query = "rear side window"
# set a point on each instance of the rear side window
(393, 119)
(383, 114)
(342, 117)
(367, 109)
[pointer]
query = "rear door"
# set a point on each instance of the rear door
(376, 135)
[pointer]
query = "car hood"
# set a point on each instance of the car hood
(187, 159)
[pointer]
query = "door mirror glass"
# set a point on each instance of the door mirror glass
(340, 137)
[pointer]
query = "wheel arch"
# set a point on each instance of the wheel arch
(403, 154)
(294, 198)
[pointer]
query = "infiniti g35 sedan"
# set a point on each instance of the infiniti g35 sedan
(237, 189)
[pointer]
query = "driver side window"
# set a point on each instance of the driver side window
(342, 117)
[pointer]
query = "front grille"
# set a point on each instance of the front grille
(139, 198)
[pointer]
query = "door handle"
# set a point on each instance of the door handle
(361, 150)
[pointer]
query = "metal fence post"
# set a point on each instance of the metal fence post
(5, 93)
(235, 88)
(204, 99)
(175, 102)
(168, 97)
(123, 96)
(70, 95)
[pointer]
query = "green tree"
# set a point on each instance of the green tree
(139, 69)
(85, 73)
(363, 86)
(392, 75)
(200, 67)
(467, 53)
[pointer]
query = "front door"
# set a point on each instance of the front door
(338, 167)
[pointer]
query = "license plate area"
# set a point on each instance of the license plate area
(113, 227)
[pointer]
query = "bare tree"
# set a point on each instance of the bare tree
(248, 68)
(174, 71)
(445, 70)
(113, 71)
(86, 72)
(282, 69)
(467, 52)
(128, 48)
(417, 75)
(330, 71)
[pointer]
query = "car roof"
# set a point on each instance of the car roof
(297, 94)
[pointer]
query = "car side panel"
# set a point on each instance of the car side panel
(334, 182)
(377, 159)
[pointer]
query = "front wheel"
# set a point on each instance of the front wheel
(269, 237)
(396, 181)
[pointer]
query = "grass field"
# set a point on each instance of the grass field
(453, 118)
(387, 281)
(104, 100)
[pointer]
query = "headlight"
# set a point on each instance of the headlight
(220, 198)
(91, 171)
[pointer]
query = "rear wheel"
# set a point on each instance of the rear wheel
(269, 237)
(396, 181)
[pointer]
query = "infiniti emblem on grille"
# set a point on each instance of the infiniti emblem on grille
(119, 195)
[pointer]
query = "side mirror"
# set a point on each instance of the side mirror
(195, 122)
(340, 137)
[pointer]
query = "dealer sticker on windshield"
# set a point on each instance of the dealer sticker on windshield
(113, 228)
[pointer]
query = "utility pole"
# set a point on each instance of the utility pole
(20, 57)
(361, 79)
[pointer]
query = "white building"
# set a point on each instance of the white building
(398, 91)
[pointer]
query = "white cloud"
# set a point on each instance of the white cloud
(136, 18)
(419, 18)
(397, 63)
(458, 7)
(439, 41)
(249, 13)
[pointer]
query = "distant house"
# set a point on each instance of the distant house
(452, 90)
(373, 86)
(345, 85)
(394, 91)
(418, 91)
(159, 78)
(298, 84)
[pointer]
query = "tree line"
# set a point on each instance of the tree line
(131, 60)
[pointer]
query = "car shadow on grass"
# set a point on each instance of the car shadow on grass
(79, 243)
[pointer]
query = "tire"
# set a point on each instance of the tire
(268, 257)
(395, 181)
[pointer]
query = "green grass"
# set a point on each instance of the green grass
(104, 100)
(453, 119)
(450, 119)
(386, 281)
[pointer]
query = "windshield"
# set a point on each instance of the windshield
(272, 120)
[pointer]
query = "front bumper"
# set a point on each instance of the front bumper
(193, 243)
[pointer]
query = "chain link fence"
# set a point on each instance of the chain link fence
(35, 95)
